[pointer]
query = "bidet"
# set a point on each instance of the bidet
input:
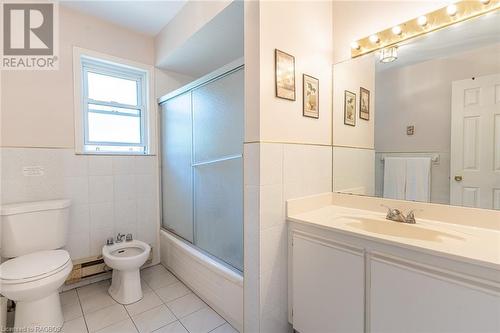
(126, 259)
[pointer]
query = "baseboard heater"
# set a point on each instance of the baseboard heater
(93, 266)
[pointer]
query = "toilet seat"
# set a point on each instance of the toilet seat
(34, 266)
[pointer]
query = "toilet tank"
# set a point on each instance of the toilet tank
(33, 226)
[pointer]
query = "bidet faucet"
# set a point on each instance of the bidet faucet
(394, 214)
(119, 238)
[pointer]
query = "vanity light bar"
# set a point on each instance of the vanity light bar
(438, 19)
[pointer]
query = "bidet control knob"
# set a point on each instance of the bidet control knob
(128, 238)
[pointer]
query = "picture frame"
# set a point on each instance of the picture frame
(349, 108)
(364, 103)
(310, 96)
(284, 75)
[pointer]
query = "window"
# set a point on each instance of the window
(113, 110)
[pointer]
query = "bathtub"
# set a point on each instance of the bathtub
(219, 286)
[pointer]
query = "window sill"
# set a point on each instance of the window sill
(114, 154)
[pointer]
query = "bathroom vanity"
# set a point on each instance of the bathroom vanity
(351, 270)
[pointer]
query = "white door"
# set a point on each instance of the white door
(475, 142)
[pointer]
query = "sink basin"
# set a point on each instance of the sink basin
(397, 229)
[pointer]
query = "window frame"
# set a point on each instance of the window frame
(85, 62)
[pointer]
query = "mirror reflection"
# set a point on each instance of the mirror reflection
(421, 121)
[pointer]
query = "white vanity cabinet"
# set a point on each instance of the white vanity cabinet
(341, 283)
(406, 298)
(328, 284)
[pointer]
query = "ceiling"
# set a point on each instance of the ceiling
(467, 35)
(147, 17)
(216, 44)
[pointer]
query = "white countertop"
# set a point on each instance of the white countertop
(467, 243)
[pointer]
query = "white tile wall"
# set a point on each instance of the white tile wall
(285, 171)
(109, 194)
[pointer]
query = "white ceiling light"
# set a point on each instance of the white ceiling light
(451, 10)
(422, 21)
(374, 39)
(397, 30)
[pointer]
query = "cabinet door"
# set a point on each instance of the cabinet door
(404, 299)
(328, 287)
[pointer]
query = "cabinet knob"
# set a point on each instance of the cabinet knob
(458, 178)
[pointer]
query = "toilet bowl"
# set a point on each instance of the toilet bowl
(126, 258)
(32, 281)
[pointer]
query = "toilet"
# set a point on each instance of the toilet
(33, 234)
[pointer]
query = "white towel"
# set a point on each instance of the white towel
(418, 179)
(395, 178)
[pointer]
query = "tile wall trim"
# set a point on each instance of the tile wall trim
(353, 147)
(288, 143)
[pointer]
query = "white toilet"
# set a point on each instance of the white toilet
(126, 259)
(32, 235)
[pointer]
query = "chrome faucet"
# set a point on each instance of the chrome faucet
(119, 238)
(394, 214)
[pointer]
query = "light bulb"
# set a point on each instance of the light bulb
(355, 45)
(485, 2)
(422, 21)
(397, 30)
(451, 10)
(374, 39)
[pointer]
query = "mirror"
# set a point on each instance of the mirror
(421, 122)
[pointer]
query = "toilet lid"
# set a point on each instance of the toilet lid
(33, 265)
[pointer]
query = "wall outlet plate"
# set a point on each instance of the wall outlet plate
(410, 130)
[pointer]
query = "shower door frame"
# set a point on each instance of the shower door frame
(226, 70)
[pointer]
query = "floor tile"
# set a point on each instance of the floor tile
(202, 321)
(144, 286)
(159, 279)
(226, 328)
(69, 297)
(71, 310)
(172, 292)
(186, 305)
(70, 305)
(153, 319)
(105, 317)
(149, 300)
(153, 270)
(175, 327)
(75, 326)
(96, 301)
(126, 326)
(93, 288)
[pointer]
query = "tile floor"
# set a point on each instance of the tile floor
(168, 306)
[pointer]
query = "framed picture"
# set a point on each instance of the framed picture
(285, 75)
(349, 108)
(364, 103)
(310, 104)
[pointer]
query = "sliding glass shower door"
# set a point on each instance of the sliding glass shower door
(202, 169)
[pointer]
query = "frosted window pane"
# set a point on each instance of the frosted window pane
(113, 128)
(219, 210)
(218, 118)
(177, 184)
(112, 89)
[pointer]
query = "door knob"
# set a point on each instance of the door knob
(458, 178)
